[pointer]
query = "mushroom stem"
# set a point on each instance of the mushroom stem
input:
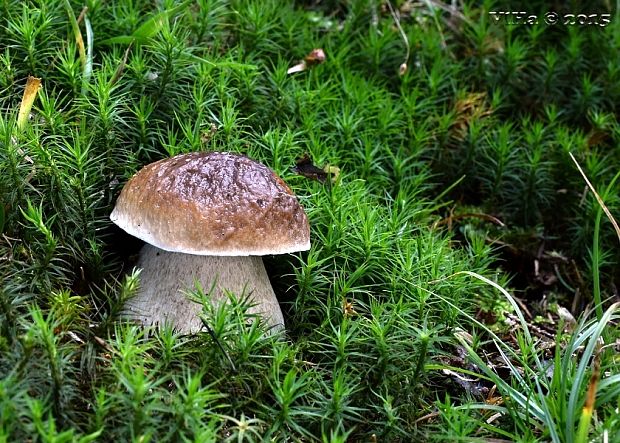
(166, 274)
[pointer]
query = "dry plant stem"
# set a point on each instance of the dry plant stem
(396, 19)
(166, 275)
(598, 198)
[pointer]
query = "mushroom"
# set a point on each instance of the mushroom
(207, 217)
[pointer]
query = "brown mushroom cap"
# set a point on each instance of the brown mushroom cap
(212, 203)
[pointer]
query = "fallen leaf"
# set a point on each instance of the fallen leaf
(348, 309)
(472, 107)
(305, 167)
(333, 171)
(33, 85)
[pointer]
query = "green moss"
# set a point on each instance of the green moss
(482, 121)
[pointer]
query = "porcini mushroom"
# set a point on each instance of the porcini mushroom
(207, 217)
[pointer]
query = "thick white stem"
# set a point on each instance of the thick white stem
(166, 274)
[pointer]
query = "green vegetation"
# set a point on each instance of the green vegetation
(447, 254)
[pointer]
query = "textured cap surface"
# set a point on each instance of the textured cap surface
(212, 203)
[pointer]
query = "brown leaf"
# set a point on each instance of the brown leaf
(348, 309)
(597, 137)
(305, 167)
(472, 107)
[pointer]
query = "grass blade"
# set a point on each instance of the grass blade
(596, 252)
(77, 33)
(149, 28)
(88, 65)
(588, 407)
(1, 217)
(596, 331)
